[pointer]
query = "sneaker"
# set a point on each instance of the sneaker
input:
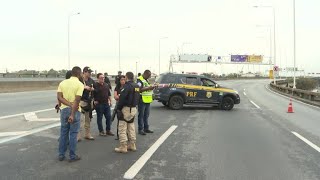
(77, 158)
(109, 133)
(142, 133)
(148, 131)
(102, 133)
(61, 158)
(89, 138)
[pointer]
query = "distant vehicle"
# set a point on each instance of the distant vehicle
(175, 90)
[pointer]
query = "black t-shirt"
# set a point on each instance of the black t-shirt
(86, 94)
(101, 93)
(118, 89)
(107, 80)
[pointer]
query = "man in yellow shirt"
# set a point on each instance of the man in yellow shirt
(69, 94)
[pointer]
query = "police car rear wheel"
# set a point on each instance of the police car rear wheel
(227, 103)
(176, 102)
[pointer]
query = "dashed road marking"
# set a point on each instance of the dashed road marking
(31, 116)
(33, 131)
(136, 167)
(255, 104)
(2, 134)
(244, 93)
(21, 114)
(307, 141)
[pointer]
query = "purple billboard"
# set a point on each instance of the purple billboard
(239, 58)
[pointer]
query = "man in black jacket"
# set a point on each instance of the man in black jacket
(126, 111)
(86, 103)
(107, 80)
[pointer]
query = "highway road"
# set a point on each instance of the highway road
(256, 140)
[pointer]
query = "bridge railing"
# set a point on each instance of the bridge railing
(304, 95)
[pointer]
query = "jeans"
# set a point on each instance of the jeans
(68, 133)
(144, 111)
(103, 109)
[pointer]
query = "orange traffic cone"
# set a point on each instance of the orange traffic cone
(290, 108)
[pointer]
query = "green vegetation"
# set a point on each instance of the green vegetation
(307, 83)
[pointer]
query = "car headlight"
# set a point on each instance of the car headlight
(236, 91)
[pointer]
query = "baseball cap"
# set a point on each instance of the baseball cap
(87, 69)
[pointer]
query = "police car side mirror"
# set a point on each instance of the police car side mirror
(216, 85)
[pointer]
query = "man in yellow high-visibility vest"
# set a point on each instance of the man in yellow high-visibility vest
(144, 104)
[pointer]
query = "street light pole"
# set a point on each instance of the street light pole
(160, 51)
(69, 38)
(294, 44)
(270, 43)
(274, 37)
(120, 44)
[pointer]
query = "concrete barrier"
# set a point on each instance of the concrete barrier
(302, 95)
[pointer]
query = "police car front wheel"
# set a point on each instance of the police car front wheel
(227, 103)
(176, 102)
(165, 103)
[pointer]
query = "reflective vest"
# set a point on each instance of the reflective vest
(146, 95)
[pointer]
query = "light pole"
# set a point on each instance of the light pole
(159, 51)
(274, 36)
(119, 43)
(270, 42)
(294, 44)
(183, 45)
(137, 69)
(69, 37)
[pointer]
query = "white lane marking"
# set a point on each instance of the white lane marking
(21, 114)
(255, 104)
(244, 89)
(307, 141)
(293, 100)
(136, 167)
(244, 93)
(30, 132)
(12, 133)
(33, 117)
(33, 131)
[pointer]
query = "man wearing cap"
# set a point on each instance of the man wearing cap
(107, 80)
(117, 79)
(86, 104)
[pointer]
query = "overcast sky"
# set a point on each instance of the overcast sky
(33, 33)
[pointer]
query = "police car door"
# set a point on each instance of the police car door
(210, 95)
(192, 90)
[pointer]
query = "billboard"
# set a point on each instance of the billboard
(255, 58)
(195, 57)
(239, 58)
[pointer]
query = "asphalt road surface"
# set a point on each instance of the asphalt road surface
(256, 140)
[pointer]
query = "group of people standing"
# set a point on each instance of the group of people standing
(79, 95)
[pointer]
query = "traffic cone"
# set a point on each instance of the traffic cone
(290, 108)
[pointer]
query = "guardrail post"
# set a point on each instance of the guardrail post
(311, 97)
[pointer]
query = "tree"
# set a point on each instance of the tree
(306, 83)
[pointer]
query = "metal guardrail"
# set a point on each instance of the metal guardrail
(306, 96)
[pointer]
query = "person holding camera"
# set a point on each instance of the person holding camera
(86, 104)
(126, 111)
